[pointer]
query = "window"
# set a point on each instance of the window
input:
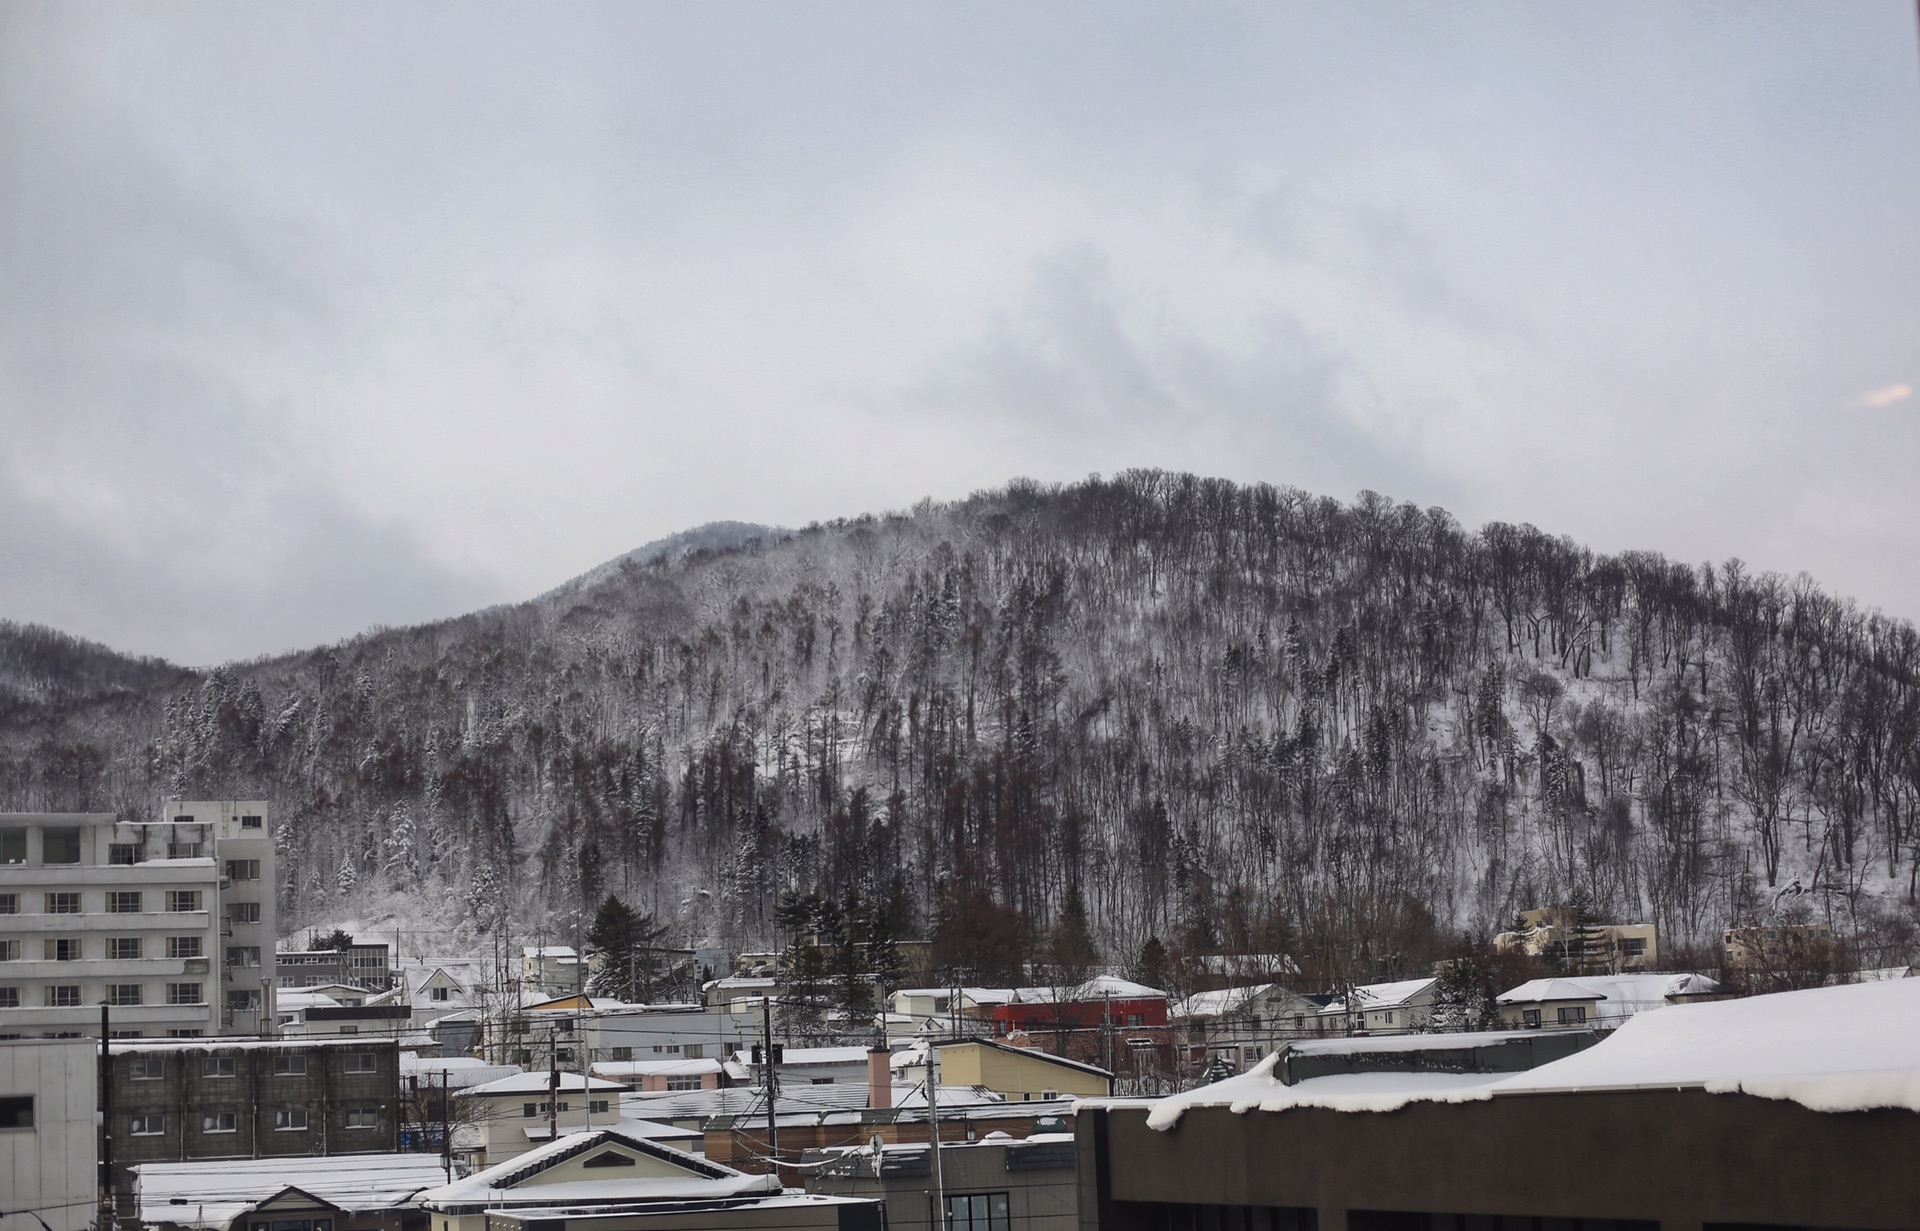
(126, 1034)
(244, 1002)
(147, 1068)
(60, 845)
(13, 846)
(363, 1117)
(1530, 1018)
(440, 993)
(181, 1033)
(244, 912)
(184, 993)
(349, 1028)
(609, 1159)
(16, 1111)
(123, 993)
(63, 904)
(183, 819)
(9, 950)
(251, 822)
(243, 869)
(529, 1110)
(9, 997)
(683, 1083)
(597, 1107)
(978, 1212)
(123, 948)
(219, 1122)
(623, 1053)
(820, 1081)
(63, 996)
(1574, 1015)
(1633, 946)
(123, 902)
(290, 1120)
(183, 946)
(216, 1066)
(123, 853)
(695, 1051)
(243, 955)
(1136, 1019)
(148, 1124)
(290, 1065)
(361, 1062)
(63, 948)
(9, 903)
(183, 899)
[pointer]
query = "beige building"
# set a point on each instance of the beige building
(169, 923)
(1021, 1074)
(1599, 948)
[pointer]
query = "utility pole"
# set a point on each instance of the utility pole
(446, 1129)
(553, 1085)
(933, 1125)
(773, 1082)
(108, 1218)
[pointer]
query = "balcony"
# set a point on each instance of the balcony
(97, 922)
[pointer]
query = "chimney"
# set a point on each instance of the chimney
(879, 1078)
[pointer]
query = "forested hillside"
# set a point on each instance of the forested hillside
(1238, 718)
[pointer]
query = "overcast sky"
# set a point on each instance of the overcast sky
(314, 317)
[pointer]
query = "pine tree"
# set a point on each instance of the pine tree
(627, 963)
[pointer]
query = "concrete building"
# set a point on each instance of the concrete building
(1800, 1109)
(516, 1114)
(667, 1032)
(999, 1183)
(366, 965)
(1555, 933)
(170, 922)
(49, 1134)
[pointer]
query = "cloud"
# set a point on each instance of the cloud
(1886, 396)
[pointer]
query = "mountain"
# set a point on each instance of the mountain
(1215, 717)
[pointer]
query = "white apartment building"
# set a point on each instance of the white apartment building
(168, 923)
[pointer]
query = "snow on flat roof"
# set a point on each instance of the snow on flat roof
(1623, 993)
(612, 1069)
(537, 1082)
(813, 1055)
(1367, 1044)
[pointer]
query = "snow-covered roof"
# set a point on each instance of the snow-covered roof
(1535, 991)
(812, 1055)
(549, 951)
(1100, 987)
(1389, 995)
(614, 1070)
(1849, 1048)
(653, 1130)
(515, 1181)
(212, 1194)
(454, 1072)
(215, 1042)
(537, 1082)
(1218, 1003)
(1618, 996)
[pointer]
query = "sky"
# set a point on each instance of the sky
(316, 317)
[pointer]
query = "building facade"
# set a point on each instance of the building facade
(169, 923)
(49, 1138)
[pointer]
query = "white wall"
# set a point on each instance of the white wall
(50, 1168)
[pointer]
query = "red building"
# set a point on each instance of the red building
(1101, 1001)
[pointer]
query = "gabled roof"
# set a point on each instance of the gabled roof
(497, 1184)
(213, 1193)
(1029, 1053)
(1389, 995)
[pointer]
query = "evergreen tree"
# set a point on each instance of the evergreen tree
(628, 964)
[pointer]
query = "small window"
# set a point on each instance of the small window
(623, 1053)
(148, 1068)
(179, 900)
(13, 846)
(250, 822)
(16, 1111)
(1530, 1018)
(597, 1107)
(290, 1120)
(1572, 1016)
(292, 1065)
(244, 912)
(124, 948)
(683, 1083)
(184, 946)
(9, 997)
(63, 904)
(123, 902)
(9, 950)
(219, 1122)
(126, 1034)
(123, 993)
(60, 845)
(361, 1062)
(247, 1001)
(216, 1066)
(63, 948)
(363, 1117)
(183, 1032)
(694, 1051)
(185, 993)
(148, 1124)
(63, 996)
(9, 903)
(122, 854)
(243, 955)
(979, 1212)
(183, 819)
(243, 869)
(439, 993)
(609, 1158)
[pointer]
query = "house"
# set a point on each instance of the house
(604, 1168)
(948, 1009)
(1399, 1007)
(1786, 948)
(1793, 1109)
(515, 1114)
(817, 1066)
(49, 1131)
(170, 921)
(664, 1076)
(1242, 1024)
(1602, 1002)
(999, 1181)
(737, 993)
(1019, 1074)
(360, 1192)
(336, 1009)
(1101, 1003)
(365, 965)
(667, 1032)
(552, 969)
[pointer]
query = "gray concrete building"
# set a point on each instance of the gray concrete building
(48, 1134)
(996, 1184)
(169, 922)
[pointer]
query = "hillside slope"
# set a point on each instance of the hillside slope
(1229, 716)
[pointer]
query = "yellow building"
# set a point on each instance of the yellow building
(1021, 1073)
